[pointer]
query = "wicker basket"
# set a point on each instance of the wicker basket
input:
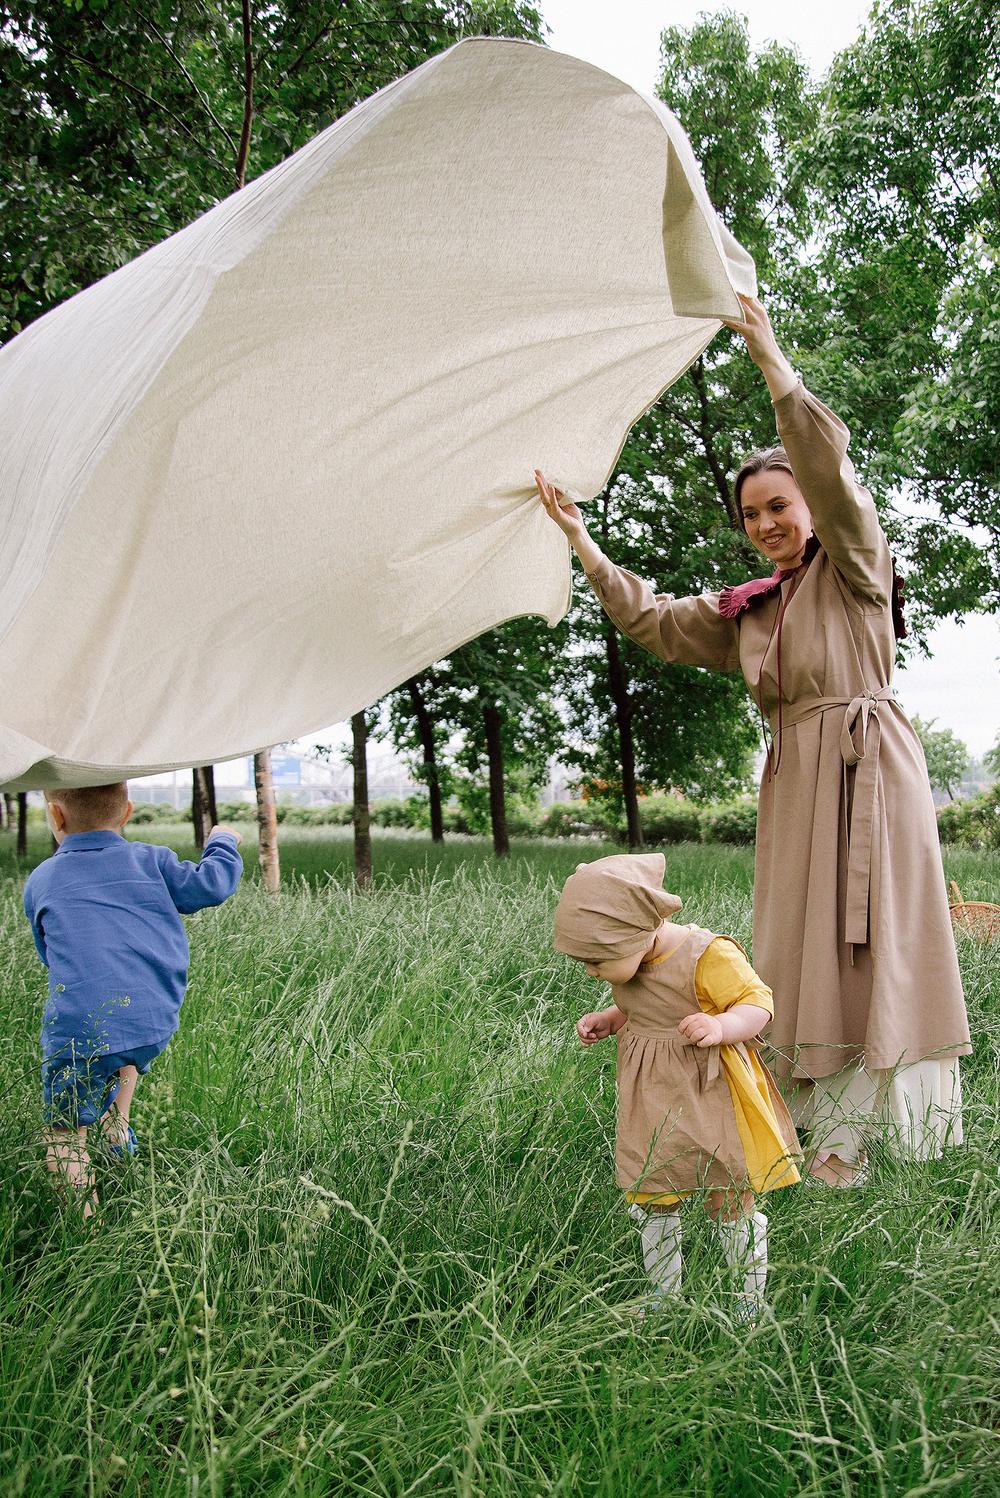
(978, 917)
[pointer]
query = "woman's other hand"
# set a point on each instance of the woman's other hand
(762, 346)
(567, 516)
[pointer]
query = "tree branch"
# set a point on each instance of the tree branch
(147, 21)
(241, 160)
(697, 372)
(156, 104)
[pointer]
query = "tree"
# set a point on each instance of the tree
(946, 755)
(991, 759)
(668, 512)
(903, 331)
(411, 725)
(362, 812)
(495, 721)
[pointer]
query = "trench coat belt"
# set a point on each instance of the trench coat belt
(859, 745)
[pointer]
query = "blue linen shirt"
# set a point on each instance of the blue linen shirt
(104, 915)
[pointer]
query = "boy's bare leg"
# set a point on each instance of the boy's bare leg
(114, 1124)
(67, 1158)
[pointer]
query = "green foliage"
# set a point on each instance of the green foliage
(902, 332)
(331, 814)
(972, 823)
(991, 759)
(573, 819)
(947, 757)
(121, 123)
(144, 812)
(733, 823)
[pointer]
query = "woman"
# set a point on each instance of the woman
(851, 926)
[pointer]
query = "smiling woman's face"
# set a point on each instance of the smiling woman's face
(775, 516)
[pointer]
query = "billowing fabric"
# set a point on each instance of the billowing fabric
(678, 1124)
(611, 907)
(851, 925)
(282, 461)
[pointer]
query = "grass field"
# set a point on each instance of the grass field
(373, 1245)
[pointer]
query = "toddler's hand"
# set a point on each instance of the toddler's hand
(703, 1029)
(594, 1027)
(222, 827)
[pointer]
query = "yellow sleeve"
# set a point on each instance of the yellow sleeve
(724, 977)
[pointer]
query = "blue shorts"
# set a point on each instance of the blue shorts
(78, 1090)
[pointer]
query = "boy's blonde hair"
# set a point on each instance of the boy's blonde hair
(91, 806)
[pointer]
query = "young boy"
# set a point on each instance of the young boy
(104, 915)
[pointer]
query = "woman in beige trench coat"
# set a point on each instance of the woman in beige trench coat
(851, 925)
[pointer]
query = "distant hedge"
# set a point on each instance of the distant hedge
(665, 819)
(972, 823)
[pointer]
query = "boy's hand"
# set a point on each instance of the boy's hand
(703, 1029)
(222, 827)
(594, 1027)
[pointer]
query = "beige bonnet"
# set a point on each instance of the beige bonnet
(611, 907)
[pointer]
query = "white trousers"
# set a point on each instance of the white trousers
(917, 1109)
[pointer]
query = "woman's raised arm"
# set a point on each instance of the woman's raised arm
(687, 631)
(843, 513)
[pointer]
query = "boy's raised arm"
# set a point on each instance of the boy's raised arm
(213, 879)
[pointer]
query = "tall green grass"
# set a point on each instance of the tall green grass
(373, 1244)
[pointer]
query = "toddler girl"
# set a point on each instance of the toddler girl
(697, 1109)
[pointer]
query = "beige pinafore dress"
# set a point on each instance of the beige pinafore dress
(677, 1127)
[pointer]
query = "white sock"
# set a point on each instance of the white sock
(661, 1251)
(744, 1244)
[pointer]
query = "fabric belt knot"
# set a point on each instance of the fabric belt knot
(859, 745)
(860, 736)
(711, 1071)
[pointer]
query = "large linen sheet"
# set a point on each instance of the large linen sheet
(282, 461)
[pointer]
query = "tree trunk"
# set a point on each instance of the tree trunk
(623, 718)
(362, 818)
(210, 803)
(202, 819)
(267, 821)
(498, 803)
(426, 730)
(22, 823)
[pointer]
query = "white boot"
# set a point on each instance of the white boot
(661, 1253)
(744, 1244)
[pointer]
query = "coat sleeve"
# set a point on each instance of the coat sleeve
(192, 886)
(685, 631)
(843, 512)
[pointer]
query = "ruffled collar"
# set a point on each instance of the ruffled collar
(736, 599)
